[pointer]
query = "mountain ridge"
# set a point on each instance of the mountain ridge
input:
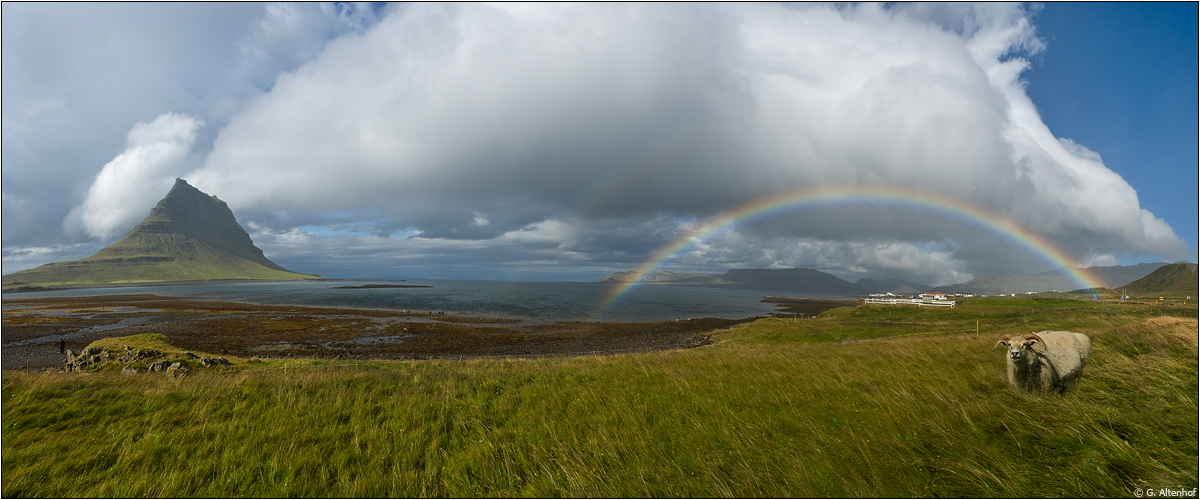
(795, 280)
(775, 279)
(1180, 278)
(188, 236)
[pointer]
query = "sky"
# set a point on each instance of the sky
(541, 142)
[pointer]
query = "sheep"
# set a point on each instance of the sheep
(1046, 361)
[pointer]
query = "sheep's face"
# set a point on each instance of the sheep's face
(1019, 347)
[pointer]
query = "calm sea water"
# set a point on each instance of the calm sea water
(527, 301)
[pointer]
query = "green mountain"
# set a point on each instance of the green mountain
(1178, 279)
(1108, 276)
(188, 236)
(1114, 276)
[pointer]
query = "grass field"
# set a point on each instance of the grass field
(916, 407)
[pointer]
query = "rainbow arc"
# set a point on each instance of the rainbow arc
(798, 200)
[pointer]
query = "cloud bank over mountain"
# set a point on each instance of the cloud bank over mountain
(554, 140)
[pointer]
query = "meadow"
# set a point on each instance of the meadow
(916, 406)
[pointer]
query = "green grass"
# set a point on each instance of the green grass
(774, 408)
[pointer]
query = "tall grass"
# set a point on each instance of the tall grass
(767, 411)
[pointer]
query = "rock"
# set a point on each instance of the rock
(90, 351)
(160, 366)
(178, 370)
(190, 355)
(148, 353)
(213, 361)
(847, 340)
(129, 370)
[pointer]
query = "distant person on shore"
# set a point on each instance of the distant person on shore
(62, 346)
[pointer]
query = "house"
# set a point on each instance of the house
(933, 295)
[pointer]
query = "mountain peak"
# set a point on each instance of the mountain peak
(189, 235)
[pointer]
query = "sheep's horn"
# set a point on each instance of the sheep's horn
(1001, 341)
(1040, 346)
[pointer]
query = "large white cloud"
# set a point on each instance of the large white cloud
(443, 115)
(78, 76)
(129, 185)
(570, 138)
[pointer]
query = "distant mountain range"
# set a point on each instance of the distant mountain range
(796, 280)
(811, 280)
(1172, 279)
(188, 236)
(1108, 276)
(895, 286)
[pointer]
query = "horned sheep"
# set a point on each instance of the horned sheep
(1046, 361)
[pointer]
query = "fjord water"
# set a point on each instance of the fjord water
(528, 301)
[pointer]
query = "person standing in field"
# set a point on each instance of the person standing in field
(62, 346)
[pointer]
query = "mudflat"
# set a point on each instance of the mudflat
(32, 329)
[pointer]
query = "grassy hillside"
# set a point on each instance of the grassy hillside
(773, 408)
(1173, 280)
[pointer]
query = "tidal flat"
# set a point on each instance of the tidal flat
(33, 327)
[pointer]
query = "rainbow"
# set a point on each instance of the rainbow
(798, 199)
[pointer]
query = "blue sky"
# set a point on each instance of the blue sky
(565, 142)
(1122, 78)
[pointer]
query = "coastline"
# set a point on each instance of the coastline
(80, 286)
(32, 328)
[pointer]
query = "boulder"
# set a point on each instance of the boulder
(213, 361)
(178, 370)
(160, 366)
